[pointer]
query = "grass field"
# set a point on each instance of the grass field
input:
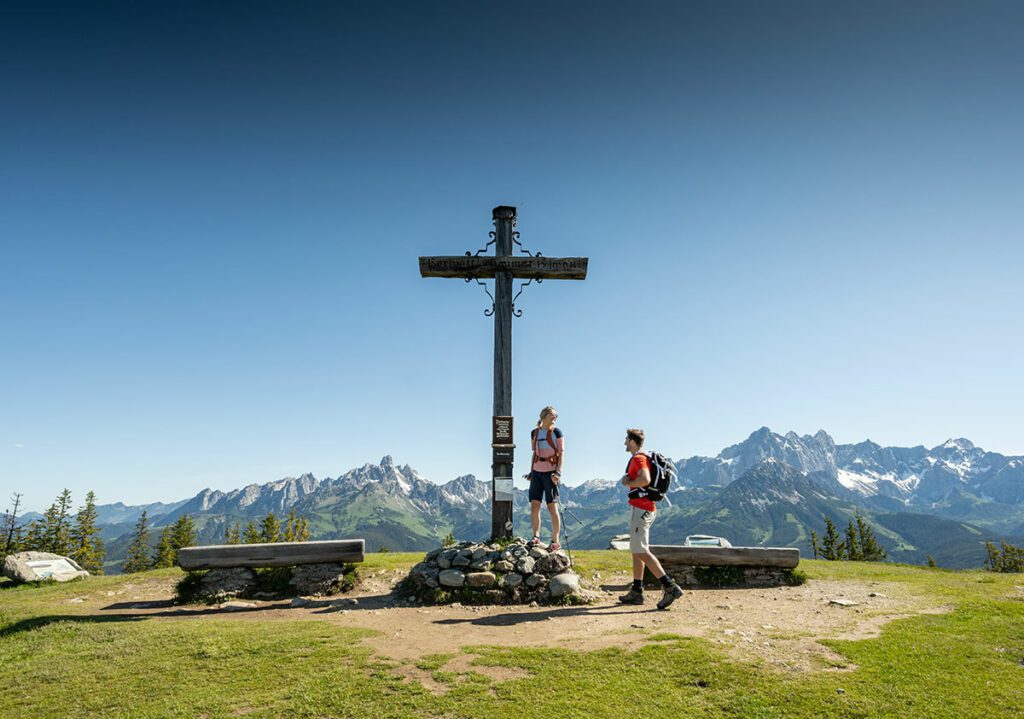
(61, 659)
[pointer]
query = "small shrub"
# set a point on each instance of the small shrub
(794, 577)
(350, 580)
(187, 589)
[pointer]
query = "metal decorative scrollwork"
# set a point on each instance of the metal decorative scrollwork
(523, 250)
(519, 313)
(515, 238)
(494, 238)
(490, 312)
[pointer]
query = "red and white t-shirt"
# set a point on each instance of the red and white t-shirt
(637, 496)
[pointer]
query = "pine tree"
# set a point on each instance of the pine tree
(86, 544)
(165, 555)
(296, 528)
(252, 535)
(233, 533)
(35, 536)
(56, 533)
(1004, 558)
(291, 527)
(183, 534)
(138, 552)
(931, 562)
(830, 545)
(814, 544)
(11, 532)
(852, 547)
(870, 549)
(270, 529)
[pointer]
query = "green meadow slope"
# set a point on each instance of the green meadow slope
(65, 656)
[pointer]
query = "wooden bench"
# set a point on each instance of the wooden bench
(777, 557)
(275, 554)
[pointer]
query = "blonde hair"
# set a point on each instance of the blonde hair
(544, 413)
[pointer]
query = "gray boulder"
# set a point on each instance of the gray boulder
(535, 580)
(538, 552)
(39, 566)
(525, 565)
(553, 564)
(563, 584)
(504, 566)
(452, 578)
(478, 580)
(513, 580)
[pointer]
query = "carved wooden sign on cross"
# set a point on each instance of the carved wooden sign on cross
(503, 266)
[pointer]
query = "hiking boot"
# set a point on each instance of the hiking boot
(632, 597)
(535, 542)
(671, 593)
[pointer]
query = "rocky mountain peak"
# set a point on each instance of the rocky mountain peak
(964, 445)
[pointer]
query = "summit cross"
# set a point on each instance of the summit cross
(503, 266)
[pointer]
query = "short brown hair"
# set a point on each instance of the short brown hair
(637, 435)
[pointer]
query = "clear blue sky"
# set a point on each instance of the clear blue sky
(802, 215)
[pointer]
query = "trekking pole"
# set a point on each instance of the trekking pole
(565, 530)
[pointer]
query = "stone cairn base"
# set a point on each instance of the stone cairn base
(218, 585)
(687, 575)
(489, 573)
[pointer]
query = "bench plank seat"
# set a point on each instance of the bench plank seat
(276, 554)
(782, 557)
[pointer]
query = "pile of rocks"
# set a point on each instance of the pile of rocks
(493, 574)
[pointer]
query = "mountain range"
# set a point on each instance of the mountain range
(769, 489)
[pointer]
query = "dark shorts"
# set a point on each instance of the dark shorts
(541, 486)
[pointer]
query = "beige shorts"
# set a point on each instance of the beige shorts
(640, 521)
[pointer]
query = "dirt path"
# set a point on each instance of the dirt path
(777, 627)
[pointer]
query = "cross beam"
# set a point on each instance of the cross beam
(542, 268)
(503, 267)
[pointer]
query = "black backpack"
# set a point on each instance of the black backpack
(662, 473)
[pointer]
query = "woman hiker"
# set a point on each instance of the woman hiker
(548, 446)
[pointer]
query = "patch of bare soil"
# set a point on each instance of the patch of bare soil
(778, 627)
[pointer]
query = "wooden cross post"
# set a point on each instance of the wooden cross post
(503, 267)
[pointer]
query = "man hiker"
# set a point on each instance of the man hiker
(641, 516)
